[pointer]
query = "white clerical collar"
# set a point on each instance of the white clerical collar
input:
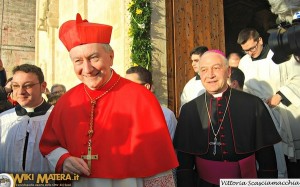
(29, 109)
(218, 95)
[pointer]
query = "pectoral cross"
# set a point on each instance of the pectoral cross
(215, 143)
(89, 157)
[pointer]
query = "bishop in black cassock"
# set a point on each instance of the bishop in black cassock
(245, 134)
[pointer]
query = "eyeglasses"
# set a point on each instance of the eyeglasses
(25, 86)
(252, 49)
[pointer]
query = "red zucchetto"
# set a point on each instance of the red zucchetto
(217, 51)
(78, 32)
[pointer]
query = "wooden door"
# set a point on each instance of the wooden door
(190, 23)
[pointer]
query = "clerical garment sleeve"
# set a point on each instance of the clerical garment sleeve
(51, 145)
(185, 172)
(243, 65)
(184, 97)
(267, 165)
(290, 72)
(56, 158)
(171, 120)
(191, 90)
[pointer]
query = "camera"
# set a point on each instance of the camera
(285, 41)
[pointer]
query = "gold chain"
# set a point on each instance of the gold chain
(93, 104)
(216, 134)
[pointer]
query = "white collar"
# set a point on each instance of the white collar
(28, 109)
(218, 95)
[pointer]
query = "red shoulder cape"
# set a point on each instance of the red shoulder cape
(130, 132)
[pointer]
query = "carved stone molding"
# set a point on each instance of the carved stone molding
(42, 15)
(48, 14)
(53, 14)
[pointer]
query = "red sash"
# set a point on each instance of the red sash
(213, 171)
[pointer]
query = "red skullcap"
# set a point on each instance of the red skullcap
(78, 32)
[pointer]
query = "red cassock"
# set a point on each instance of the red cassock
(130, 133)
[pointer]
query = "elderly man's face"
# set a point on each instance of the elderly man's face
(92, 64)
(214, 73)
(58, 90)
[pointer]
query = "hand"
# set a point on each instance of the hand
(274, 100)
(75, 165)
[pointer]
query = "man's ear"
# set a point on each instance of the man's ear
(234, 84)
(111, 55)
(260, 41)
(229, 72)
(44, 86)
(148, 86)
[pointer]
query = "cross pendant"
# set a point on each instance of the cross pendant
(89, 157)
(215, 143)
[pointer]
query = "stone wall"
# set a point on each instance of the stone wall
(17, 34)
(159, 53)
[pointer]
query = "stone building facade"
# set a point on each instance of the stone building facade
(17, 34)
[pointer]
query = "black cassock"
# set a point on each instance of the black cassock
(247, 129)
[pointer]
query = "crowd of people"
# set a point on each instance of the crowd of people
(239, 118)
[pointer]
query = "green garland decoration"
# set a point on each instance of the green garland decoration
(139, 31)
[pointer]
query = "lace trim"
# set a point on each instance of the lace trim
(166, 180)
